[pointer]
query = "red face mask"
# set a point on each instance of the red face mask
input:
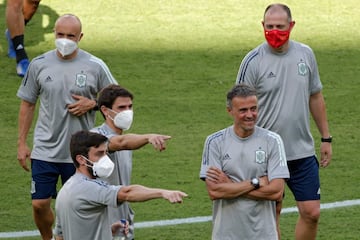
(277, 38)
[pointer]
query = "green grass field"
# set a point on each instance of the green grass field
(179, 58)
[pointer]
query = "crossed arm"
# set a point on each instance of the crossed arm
(220, 186)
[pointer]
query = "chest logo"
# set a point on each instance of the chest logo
(80, 80)
(271, 75)
(226, 157)
(302, 69)
(260, 156)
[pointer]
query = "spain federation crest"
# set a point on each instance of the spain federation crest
(80, 80)
(302, 69)
(260, 156)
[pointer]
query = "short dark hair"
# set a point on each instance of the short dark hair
(283, 6)
(239, 90)
(108, 95)
(82, 141)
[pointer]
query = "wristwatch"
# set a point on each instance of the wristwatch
(329, 139)
(96, 107)
(255, 182)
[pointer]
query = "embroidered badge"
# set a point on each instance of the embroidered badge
(302, 69)
(80, 80)
(260, 156)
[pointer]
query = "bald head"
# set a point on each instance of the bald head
(69, 19)
(278, 8)
(68, 26)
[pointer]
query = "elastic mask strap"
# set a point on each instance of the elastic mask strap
(88, 161)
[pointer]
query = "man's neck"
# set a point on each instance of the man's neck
(111, 125)
(68, 57)
(84, 171)
(283, 49)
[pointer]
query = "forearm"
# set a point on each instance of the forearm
(228, 190)
(128, 142)
(318, 112)
(138, 193)
(273, 191)
(26, 115)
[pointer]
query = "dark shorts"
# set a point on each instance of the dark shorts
(304, 181)
(45, 176)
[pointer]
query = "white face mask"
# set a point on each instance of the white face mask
(65, 46)
(103, 167)
(123, 119)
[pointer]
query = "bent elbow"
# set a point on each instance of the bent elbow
(212, 198)
(214, 195)
(277, 196)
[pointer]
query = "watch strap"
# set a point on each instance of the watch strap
(329, 139)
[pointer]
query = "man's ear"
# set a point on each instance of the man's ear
(104, 110)
(228, 109)
(81, 35)
(80, 159)
(292, 24)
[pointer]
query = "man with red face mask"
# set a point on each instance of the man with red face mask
(286, 78)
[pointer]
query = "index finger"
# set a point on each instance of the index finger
(166, 137)
(23, 165)
(75, 96)
(215, 169)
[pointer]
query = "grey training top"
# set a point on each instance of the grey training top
(241, 159)
(81, 208)
(284, 83)
(53, 81)
(120, 176)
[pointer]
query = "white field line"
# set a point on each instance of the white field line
(158, 223)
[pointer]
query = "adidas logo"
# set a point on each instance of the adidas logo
(271, 75)
(48, 79)
(226, 157)
(19, 47)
